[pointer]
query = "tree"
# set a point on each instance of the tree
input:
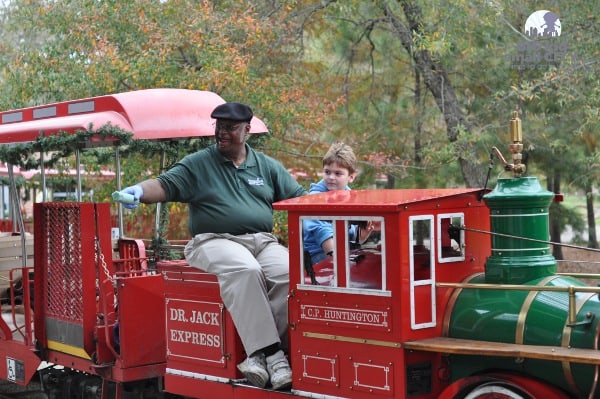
(377, 45)
(558, 95)
(471, 46)
(83, 48)
(423, 89)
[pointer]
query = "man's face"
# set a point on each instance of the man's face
(337, 177)
(230, 135)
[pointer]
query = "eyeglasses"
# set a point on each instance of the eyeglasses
(227, 127)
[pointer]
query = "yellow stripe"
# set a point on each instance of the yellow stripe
(566, 341)
(352, 339)
(525, 307)
(71, 350)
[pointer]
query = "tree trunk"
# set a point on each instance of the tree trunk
(591, 219)
(391, 182)
(437, 81)
(418, 154)
(555, 228)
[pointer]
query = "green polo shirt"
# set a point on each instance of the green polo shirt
(223, 198)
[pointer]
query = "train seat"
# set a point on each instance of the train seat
(365, 270)
(132, 257)
(202, 339)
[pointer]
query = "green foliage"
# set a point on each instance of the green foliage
(318, 72)
(280, 226)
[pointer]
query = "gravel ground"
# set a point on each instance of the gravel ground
(14, 391)
(580, 261)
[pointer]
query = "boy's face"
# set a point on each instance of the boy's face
(337, 177)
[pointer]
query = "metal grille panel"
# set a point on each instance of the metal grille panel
(63, 263)
(67, 286)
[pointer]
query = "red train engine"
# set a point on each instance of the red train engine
(454, 295)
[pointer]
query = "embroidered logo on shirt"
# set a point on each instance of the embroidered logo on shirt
(256, 182)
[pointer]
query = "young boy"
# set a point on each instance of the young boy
(339, 170)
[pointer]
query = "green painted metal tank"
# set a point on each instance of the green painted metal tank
(519, 209)
(527, 317)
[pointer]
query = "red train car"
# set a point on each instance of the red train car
(347, 332)
(454, 295)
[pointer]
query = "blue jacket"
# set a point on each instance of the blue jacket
(315, 232)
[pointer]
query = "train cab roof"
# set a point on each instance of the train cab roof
(375, 200)
(152, 114)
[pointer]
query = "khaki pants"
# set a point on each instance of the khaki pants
(253, 275)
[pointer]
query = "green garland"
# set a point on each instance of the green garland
(19, 181)
(63, 144)
(60, 145)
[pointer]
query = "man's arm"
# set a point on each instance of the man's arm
(148, 192)
(153, 191)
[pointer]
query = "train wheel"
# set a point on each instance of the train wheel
(497, 390)
(500, 386)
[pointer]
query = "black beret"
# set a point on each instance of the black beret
(232, 112)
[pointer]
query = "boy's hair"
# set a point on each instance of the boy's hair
(341, 154)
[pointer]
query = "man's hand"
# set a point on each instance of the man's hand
(129, 196)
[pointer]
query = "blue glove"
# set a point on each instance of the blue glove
(129, 196)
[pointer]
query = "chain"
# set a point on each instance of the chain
(103, 262)
(100, 255)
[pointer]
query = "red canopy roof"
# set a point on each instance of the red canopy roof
(152, 114)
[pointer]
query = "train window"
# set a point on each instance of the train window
(364, 264)
(450, 237)
(358, 258)
(422, 272)
(314, 261)
(421, 238)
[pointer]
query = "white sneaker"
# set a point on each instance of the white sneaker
(254, 369)
(280, 371)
